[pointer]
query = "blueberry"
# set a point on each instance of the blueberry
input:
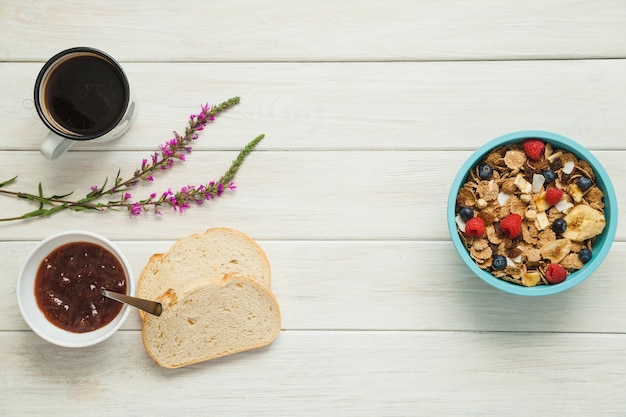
(485, 171)
(584, 183)
(584, 255)
(499, 262)
(466, 213)
(549, 175)
(559, 226)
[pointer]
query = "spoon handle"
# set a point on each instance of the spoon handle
(148, 306)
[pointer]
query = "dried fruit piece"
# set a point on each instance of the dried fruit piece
(542, 220)
(538, 181)
(556, 250)
(555, 273)
(523, 185)
(575, 192)
(583, 222)
(475, 227)
(553, 195)
(541, 203)
(563, 206)
(568, 167)
(533, 148)
(531, 279)
(511, 225)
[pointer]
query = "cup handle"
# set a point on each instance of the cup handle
(124, 124)
(54, 146)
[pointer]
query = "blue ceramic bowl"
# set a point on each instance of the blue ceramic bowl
(601, 245)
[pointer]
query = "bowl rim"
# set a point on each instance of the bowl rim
(559, 142)
(28, 305)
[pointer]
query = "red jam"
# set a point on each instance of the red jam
(68, 284)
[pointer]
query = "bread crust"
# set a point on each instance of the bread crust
(194, 277)
(236, 252)
(156, 339)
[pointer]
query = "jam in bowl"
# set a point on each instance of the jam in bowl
(59, 288)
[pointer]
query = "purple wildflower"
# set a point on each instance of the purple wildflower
(135, 209)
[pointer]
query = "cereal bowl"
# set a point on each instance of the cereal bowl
(599, 245)
(50, 280)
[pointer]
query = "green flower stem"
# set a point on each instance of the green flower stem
(172, 150)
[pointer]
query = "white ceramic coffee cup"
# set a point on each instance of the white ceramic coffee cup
(62, 134)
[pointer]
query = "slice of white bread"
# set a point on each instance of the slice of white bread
(216, 252)
(211, 318)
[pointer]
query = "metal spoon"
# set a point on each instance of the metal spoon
(148, 306)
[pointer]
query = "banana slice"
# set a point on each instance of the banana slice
(530, 279)
(575, 192)
(541, 203)
(556, 250)
(583, 222)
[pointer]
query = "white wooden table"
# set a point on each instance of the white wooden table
(369, 108)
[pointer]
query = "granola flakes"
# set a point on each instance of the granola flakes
(518, 185)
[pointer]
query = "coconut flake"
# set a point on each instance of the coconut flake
(523, 185)
(563, 206)
(503, 198)
(542, 220)
(460, 223)
(568, 167)
(538, 181)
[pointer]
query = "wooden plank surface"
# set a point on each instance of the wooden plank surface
(339, 106)
(374, 373)
(325, 30)
(389, 285)
(317, 195)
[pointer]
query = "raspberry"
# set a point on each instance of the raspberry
(511, 225)
(553, 195)
(555, 273)
(533, 148)
(475, 227)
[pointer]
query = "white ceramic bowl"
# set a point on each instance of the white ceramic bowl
(27, 302)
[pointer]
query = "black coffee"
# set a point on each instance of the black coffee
(85, 95)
